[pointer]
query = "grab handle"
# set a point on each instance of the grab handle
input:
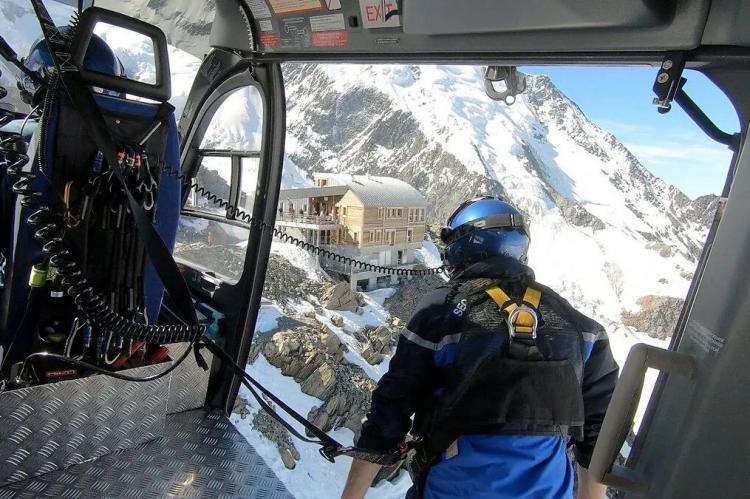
(621, 411)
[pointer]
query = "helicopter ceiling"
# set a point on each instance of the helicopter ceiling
(540, 31)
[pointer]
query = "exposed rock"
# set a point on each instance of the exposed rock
(341, 297)
(285, 282)
(337, 320)
(577, 215)
(404, 301)
(240, 407)
(320, 383)
(665, 250)
(371, 356)
(290, 462)
(313, 356)
(376, 343)
(267, 426)
(657, 317)
(333, 344)
(381, 338)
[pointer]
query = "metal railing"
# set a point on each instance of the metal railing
(307, 219)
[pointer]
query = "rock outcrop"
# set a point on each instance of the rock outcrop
(341, 297)
(314, 357)
(404, 301)
(657, 317)
(377, 343)
(286, 282)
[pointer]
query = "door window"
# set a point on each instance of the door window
(213, 232)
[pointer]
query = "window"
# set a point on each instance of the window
(355, 236)
(371, 236)
(391, 237)
(421, 214)
(378, 235)
(381, 213)
(399, 213)
(204, 239)
(409, 235)
(343, 210)
(124, 43)
(214, 175)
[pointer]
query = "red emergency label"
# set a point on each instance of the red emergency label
(269, 40)
(374, 13)
(330, 39)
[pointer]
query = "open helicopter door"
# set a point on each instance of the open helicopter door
(250, 178)
(693, 440)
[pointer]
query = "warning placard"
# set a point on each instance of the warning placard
(269, 40)
(295, 32)
(294, 6)
(330, 22)
(259, 9)
(330, 39)
(374, 13)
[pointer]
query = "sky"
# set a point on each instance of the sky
(670, 145)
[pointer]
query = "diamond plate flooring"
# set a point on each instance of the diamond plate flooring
(201, 455)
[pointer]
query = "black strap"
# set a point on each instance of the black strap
(330, 448)
(251, 384)
(83, 101)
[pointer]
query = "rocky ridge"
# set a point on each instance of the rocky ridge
(658, 315)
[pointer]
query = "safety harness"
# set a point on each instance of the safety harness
(503, 385)
(522, 319)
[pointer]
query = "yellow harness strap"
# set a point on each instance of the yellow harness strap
(523, 322)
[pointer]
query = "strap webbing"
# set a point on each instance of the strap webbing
(83, 101)
(523, 322)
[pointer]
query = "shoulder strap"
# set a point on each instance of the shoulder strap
(83, 101)
(522, 318)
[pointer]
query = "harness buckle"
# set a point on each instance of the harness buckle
(513, 317)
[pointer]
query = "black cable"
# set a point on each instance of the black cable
(236, 213)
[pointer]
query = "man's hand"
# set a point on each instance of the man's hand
(361, 475)
(587, 487)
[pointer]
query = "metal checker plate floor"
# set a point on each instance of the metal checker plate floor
(201, 455)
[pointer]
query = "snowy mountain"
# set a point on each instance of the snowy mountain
(605, 231)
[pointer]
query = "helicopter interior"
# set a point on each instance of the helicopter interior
(692, 441)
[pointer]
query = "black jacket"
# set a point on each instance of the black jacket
(416, 368)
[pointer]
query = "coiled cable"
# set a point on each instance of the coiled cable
(50, 233)
(238, 213)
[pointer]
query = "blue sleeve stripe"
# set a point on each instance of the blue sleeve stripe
(430, 345)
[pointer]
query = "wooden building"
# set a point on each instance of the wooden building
(378, 220)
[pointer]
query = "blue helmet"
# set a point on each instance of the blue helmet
(483, 228)
(99, 57)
